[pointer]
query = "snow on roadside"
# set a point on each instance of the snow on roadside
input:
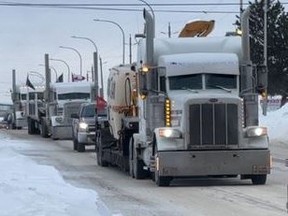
(277, 123)
(27, 188)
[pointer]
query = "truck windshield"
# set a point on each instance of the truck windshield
(213, 81)
(192, 81)
(88, 111)
(73, 96)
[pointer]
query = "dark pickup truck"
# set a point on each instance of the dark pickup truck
(83, 126)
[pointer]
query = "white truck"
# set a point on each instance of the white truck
(188, 108)
(20, 95)
(49, 110)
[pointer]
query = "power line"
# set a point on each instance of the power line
(109, 7)
(112, 9)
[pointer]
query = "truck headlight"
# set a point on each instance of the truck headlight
(169, 133)
(58, 119)
(83, 125)
(255, 131)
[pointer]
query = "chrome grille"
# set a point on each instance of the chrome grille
(213, 125)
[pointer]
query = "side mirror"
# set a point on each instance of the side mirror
(74, 115)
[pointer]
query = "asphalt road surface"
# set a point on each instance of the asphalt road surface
(131, 197)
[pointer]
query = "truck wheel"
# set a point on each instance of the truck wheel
(259, 179)
(80, 147)
(138, 165)
(29, 126)
(13, 126)
(75, 144)
(44, 129)
(131, 167)
(99, 153)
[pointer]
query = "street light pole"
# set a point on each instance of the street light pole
(56, 74)
(75, 50)
(95, 63)
(95, 56)
(265, 99)
(123, 34)
(68, 68)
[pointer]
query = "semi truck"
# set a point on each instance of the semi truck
(50, 115)
(20, 95)
(187, 108)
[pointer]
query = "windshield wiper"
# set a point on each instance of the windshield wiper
(221, 87)
(190, 90)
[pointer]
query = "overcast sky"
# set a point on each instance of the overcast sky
(27, 33)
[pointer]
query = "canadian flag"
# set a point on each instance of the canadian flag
(77, 77)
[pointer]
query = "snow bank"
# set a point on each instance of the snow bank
(27, 188)
(277, 123)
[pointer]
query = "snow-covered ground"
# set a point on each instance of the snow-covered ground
(27, 188)
(30, 189)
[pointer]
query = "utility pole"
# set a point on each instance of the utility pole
(169, 30)
(101, 71)
(265, 99)
(130, 50)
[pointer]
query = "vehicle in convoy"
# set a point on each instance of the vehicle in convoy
(49, 111)
(67, 99)
(83, 123)
(83, 127)
(20, 95)
(189, 107)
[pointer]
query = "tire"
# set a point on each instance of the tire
(80, 147)
(44, 129)
(138, 167)
(99, 151)
(259, 179)
(131, 167)
(29, 126)
(13, 126)
(75, 144)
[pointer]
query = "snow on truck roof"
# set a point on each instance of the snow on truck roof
(62, 88)
(182, 64)
(170, 46)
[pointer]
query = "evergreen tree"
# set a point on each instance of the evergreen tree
(277, 43)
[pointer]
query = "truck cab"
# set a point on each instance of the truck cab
(66, 101)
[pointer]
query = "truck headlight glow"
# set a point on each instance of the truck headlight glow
(169, 133)
(58, 119)
(83, 125)
(256, 131)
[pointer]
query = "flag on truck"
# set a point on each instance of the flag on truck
(101, 103)
(29, 84)
(60, 78)
(77, 77)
